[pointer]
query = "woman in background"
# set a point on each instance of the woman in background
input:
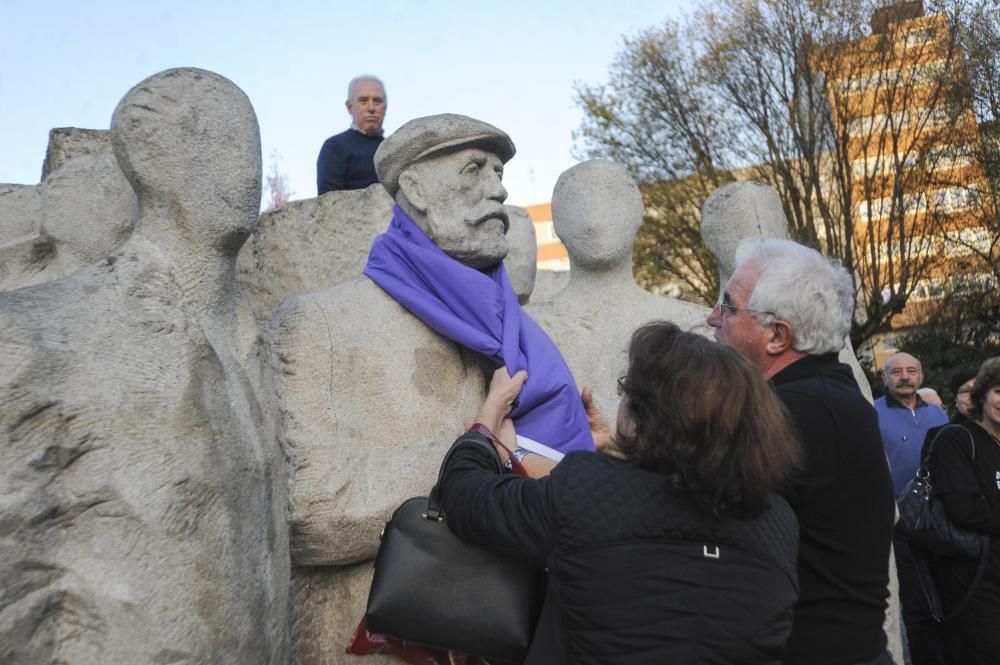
(965, 467)
(674, 549)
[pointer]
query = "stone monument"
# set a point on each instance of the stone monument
(144, 495)
(371, 396)
(596, 210)
(310, 245)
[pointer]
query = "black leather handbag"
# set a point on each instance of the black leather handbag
(433, 589)
(930, 532)
(922, 517)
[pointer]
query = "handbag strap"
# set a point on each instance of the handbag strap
(515, 465)
(434, 511)
(925, 462)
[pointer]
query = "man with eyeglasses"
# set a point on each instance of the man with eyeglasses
(788, 309)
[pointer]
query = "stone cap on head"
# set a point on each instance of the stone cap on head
(431, 135)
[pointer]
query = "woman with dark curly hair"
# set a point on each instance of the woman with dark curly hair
(965, 468)
(672, 548)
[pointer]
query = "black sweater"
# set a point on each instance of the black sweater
(844, 501)
(347, 161)
(633, 576)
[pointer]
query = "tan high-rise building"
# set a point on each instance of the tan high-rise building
(900, 102)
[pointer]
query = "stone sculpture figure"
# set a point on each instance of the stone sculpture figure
(83, 210)
(750, 209)
(143, 498)
(372, 396)
(521, 261)
(596, 211)
(310, 244)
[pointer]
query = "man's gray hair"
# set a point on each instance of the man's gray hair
(798, 284)
(365, 77)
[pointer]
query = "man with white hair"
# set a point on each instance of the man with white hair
(787, 308)
(347, 160)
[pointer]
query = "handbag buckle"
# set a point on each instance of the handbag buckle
(437, 518)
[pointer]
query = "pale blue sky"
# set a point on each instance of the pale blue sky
(510, 63)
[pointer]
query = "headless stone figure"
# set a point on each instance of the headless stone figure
(83, 210)
(742, 210)
(143, 497)
(596, 211)
(371, 396)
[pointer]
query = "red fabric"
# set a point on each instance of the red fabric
(366, 643)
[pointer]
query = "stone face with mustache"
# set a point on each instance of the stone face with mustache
(445, 172)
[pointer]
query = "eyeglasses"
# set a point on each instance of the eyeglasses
(729, 308)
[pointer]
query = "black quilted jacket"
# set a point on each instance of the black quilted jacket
(636, 574)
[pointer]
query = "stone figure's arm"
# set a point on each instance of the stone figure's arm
(24, 256)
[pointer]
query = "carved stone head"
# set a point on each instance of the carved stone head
(596, 212)
(188, 141)
(445, 172)
(738, 211)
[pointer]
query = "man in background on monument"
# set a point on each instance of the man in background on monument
(788, 309)
(346, 160)
(904, 418)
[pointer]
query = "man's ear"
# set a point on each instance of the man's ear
(782, 338)
(347, 105)
(409, 186)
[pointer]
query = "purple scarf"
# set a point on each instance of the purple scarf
(479, 310)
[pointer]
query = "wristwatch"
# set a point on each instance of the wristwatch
(519, 453)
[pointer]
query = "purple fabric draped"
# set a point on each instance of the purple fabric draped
(479, 310)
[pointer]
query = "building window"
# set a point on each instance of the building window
(919, 37)
(953, 199)
(918, 74)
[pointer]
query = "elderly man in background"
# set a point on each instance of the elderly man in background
(788, 309)
(347, 160)
(904, 418)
